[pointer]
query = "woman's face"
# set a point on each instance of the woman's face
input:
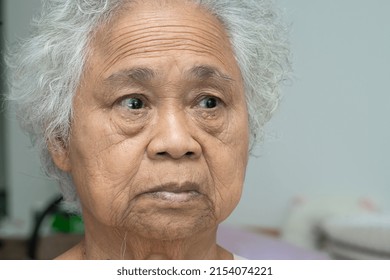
(159, 138)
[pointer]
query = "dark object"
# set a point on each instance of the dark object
(34, 238)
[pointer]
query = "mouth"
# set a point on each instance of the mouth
(174, 192)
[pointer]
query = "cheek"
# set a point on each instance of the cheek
(228, 173)
(227, 159)
(104, 162)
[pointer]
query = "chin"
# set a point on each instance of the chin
(171, 225)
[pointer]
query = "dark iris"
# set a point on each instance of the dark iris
(209, 103)
(133, 103)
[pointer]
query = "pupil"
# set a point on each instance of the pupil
(211, 103)
(135, 103)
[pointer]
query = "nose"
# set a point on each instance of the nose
(173, 138)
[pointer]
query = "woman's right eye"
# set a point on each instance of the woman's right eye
(132, 103)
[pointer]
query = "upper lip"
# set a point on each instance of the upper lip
(175, 187)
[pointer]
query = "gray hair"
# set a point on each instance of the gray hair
(47, 67)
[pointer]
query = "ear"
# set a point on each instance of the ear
(60, 155)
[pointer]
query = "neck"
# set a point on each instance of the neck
(124, 244)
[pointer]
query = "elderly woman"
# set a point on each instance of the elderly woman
(145, 112)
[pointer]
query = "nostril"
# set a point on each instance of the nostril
(189, 154)
(165, 154)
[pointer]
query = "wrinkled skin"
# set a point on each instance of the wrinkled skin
(159, 138)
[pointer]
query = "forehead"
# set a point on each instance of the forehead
(153, 32)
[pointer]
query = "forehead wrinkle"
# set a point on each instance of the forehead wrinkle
(168, 47)
(211, 30)
(137, 35)
(139, 28)
(142, 44)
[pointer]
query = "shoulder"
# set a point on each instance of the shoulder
(74, 253)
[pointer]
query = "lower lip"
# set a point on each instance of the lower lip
(175, 197)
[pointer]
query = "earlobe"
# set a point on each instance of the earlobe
(60, 156)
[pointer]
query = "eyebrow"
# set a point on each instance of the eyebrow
(205, 72)
(138, 74)
(142, 75)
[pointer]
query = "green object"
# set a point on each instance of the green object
(67, 223)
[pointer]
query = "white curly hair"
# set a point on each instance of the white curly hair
(46, 68)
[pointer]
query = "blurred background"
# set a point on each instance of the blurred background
(318, 187)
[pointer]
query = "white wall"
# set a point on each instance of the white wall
(333, 126)
(330, 137)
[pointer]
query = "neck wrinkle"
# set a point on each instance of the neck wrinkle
(124, 244)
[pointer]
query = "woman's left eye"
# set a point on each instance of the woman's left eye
(133, 103)
(209, 102)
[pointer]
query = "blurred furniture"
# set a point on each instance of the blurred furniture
(305, 215)
(255, 246)
(358, 237)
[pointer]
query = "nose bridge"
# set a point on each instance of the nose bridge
(172, 122)
(173, 136)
